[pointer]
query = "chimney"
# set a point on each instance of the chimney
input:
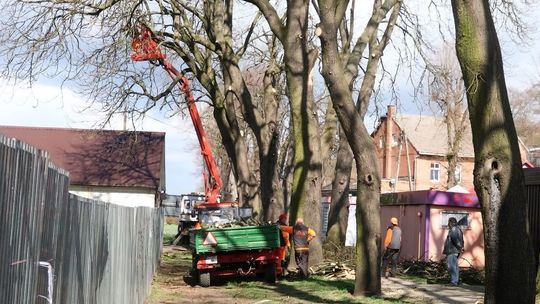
(388, 140)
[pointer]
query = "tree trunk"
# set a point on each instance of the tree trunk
(236, 149)
(339, 208)
(329, 142)
(498, 177)
(339, 79)
(306, 185)
(266, 135)
(271, 189)
(368, 233)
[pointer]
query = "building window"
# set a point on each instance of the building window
(395, 140)
(435, 172)
(381, 143)
(457, 174)
(461, 217)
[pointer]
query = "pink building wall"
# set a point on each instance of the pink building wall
(472, 237)
(420, 215)
(412, 223)
(416, 227)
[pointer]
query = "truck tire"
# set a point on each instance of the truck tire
(270, 274)
(204, 279)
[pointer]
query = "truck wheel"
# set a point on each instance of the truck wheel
(270, 275)
(204, 279)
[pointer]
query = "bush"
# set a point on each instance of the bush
(338, 253)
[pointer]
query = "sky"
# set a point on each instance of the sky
(46, 105)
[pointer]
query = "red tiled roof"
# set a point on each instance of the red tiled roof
(100, 157)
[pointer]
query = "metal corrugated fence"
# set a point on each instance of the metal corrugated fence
(60, 248)
(532, 185)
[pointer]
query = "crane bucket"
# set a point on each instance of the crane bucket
(144, 46)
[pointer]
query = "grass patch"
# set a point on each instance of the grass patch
(182, 259)
(169, 231)
(169, 277)
(316, 289)
(172, 284)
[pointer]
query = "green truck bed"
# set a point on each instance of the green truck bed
(234, 238)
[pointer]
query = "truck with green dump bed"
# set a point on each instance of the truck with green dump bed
(234, 250)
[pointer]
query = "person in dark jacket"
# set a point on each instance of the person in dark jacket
(392, 245)
(301, 236)
(453, 247)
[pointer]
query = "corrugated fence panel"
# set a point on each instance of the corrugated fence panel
(532, 184)
(60, 248)
(23, 176)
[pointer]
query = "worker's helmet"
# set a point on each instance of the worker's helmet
(283, 217)
(394, 221)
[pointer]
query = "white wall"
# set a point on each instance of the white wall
(131, 198)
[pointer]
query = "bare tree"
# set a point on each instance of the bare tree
(339, 71)
(86, 44)
(498, 177)
(525, 106)
(299, 59)
(447, 93)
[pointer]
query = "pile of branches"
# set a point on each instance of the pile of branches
(433, 272)
(337, 252)
(437, 272)
(333, 270)
(238, 223)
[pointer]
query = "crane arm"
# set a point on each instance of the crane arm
(146, 49)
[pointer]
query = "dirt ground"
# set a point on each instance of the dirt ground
(173, 285)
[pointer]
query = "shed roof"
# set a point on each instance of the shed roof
(431, 197)
(100, 157)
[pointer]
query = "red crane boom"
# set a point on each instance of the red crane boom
(145, 48)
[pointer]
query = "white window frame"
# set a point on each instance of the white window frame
(458, 172)
(435, 168)
(462, 217)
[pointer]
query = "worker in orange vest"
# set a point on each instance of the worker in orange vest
(301, 235)
(285, 250)
(392, 245)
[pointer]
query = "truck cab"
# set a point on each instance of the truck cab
(186, 204)
(187, 215)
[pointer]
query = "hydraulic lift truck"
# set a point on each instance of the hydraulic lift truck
(217, 252)
(234, 251)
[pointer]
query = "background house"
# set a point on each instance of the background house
(412, 151)
(120, 167)
(535, 156)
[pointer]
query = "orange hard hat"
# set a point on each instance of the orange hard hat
(394, 221)
(283, 217)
